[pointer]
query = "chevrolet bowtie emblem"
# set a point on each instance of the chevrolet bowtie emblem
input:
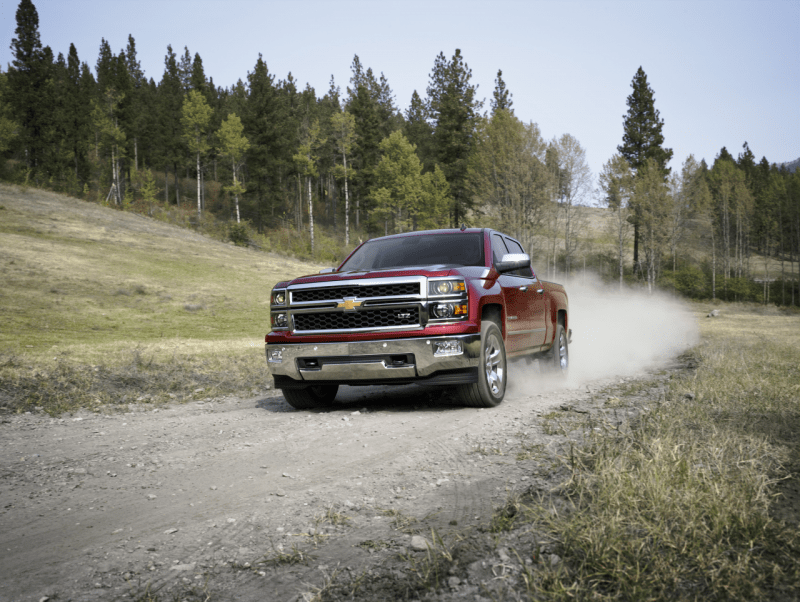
(350, 304)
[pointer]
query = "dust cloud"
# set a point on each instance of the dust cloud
(617, 333)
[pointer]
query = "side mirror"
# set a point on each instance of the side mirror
(327, 270)
(513, 261)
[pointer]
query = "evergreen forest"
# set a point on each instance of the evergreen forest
(280, 166)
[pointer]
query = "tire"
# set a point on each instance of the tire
(309, 398)
(493, 373)
(556, 361)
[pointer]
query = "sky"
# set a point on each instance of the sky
(723, 72)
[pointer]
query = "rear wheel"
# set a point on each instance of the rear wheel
(308, 398)
(557, 359)
(491, 386)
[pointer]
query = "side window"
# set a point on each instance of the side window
(515, 247)
(498, 248)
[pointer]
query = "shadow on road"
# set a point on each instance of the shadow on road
(400, 398)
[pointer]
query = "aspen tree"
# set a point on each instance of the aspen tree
(616, 185)
(306, 162)
(233, 145)
(195, 119)
(344, 125)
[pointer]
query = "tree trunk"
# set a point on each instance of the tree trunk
(199, 207)
(177, 187)
(346, 205)
(713, 265)
(236, 195)
(334, 197)
(621, 243)
(298, 212)
(310, 215)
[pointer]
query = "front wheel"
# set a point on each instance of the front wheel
(491, 386)
(309, 398)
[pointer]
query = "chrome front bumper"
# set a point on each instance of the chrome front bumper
(373, 360)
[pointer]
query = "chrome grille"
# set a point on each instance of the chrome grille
(368, 318)
(360, 292)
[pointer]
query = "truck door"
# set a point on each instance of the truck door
(535, 298)
(516, 293)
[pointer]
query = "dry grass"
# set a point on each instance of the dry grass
(680, 505)
(92, 294)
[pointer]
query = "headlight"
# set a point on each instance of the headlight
(280, 320)
(446, 287)
(448, 299)
(279, 297)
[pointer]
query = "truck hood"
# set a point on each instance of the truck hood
(429, 270)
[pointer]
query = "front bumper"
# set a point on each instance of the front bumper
(372, 361)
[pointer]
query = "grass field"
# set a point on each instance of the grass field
(95, 298)
(699, 498)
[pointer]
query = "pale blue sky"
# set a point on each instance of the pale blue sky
(723, 72)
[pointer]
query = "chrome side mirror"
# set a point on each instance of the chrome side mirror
(513, 261)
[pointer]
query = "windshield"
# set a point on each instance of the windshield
(451, 249)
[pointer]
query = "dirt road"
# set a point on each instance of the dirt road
(96, 507)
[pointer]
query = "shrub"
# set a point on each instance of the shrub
(237, 233)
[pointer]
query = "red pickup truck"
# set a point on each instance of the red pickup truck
(439, 307)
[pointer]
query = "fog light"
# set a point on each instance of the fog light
(443, 310)
(442, 348)
(275, 355)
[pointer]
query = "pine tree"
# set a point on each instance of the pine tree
(327, 107)
(404, 196)
(104, 67)
(185, 70)
(371, 103)
(747, 163)
(170, 106)
(137, 115)
(198, 80)
(502, 97)
(28, 80)
(271, 130)
(398, 184)
(9, 129)
(643, 139)
(419, 132)
(453, 109)
(76, 97)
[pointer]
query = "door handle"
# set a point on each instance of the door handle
(540, 291)
(524, 289)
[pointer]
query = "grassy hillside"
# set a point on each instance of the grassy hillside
(85, 286)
